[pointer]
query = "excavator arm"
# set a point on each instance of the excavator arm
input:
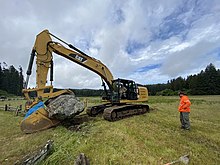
(43, 49)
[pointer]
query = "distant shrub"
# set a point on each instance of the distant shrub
(167, 92)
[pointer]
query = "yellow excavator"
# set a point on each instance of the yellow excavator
(122, 98)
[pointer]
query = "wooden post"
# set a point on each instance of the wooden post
(6, 107)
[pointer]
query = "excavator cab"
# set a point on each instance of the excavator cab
(124, 90)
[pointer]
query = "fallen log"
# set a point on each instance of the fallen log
(36, 157)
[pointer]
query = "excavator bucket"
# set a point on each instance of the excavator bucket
(38, 121)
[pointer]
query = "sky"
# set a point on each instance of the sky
(146, 41)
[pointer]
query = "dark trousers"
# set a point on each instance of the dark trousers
(184, 119)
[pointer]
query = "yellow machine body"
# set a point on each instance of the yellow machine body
(42, 50)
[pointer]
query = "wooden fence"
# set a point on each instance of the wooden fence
(11, 99)
(8, 107)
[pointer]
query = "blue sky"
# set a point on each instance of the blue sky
(145, 40)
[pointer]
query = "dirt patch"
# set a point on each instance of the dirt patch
(78, 123)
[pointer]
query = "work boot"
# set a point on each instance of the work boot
(188, 129)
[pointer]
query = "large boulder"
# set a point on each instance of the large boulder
(65, 106)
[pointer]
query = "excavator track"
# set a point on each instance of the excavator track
(95, 110)
(118, 112)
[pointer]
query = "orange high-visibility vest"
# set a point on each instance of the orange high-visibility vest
(184, 104)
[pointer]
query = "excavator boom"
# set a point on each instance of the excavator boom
(44, 46)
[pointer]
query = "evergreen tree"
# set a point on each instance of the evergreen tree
(5, 79)
(1, 76)
(218, 82)
(211, 76)
(11, 80)
(179, 84)
(21, 81)
(192, 83)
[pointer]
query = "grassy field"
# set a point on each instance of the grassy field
(152, 138)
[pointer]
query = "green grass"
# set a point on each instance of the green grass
(152, 138)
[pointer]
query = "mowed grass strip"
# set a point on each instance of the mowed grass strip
(152, 138)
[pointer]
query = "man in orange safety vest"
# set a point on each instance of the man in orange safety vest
(184, 109)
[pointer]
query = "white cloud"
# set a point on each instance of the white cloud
(103, 30)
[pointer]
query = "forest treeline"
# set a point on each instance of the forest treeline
(11, 79)
(207, 82)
